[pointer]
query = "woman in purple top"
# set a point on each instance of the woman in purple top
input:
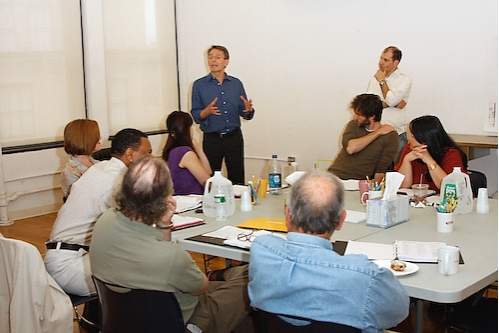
(185, 157)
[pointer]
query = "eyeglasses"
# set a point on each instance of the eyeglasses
(247, 237)
(216, 57)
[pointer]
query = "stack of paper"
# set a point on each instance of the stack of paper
(188, 202)
(180, 222)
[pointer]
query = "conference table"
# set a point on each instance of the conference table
(474, 234)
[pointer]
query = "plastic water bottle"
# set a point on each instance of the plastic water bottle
(275, 176)
(210, 190)
(221, 214)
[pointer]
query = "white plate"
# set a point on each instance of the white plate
(409, 268)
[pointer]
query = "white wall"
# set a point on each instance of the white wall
(302, 62)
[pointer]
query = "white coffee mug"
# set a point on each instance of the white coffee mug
(371, 195)
(448, 260)
(445, 222)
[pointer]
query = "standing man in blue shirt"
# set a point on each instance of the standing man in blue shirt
(218, 102)
(302, 276)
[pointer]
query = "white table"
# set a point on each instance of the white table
(474, 234)
(476, 237)
(273, 207)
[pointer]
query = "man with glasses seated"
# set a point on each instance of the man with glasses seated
(303, 277)
(132, 247)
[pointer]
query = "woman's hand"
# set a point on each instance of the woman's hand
(420, 152)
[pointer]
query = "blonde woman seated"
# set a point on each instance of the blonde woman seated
(81, 139)
(185, 157)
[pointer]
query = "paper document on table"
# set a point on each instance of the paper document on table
(188, 202)
(180, 222)
(265, 223)
(350, 184)
(355, 216)
(238, 190)
(231, 235)
(371, 250)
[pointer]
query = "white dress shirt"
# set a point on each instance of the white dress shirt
(399, 86)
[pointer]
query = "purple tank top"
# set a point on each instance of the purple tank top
(184, 182)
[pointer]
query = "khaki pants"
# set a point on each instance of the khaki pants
(225, 304)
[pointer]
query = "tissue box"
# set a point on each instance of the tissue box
(386, 213)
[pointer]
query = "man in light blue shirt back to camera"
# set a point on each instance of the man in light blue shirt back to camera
(303, 277)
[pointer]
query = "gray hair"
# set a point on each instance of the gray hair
(316, 202)
(146, 186)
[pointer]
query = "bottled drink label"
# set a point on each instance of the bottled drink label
(275, 180)
(219, 198)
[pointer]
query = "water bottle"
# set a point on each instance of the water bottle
(221, 214)
(458, 184)
(275, 175)
(213, 185)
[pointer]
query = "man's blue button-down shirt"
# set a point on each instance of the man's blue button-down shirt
(229, 103)
(303, 277)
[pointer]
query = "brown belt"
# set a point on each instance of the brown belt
(66, 246)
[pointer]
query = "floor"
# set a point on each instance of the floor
(436, 317)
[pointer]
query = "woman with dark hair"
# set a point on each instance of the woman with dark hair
(186, 159)
(430, 154)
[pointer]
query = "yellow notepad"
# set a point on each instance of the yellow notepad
(265, 223)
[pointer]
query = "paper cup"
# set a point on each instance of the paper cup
(445, 222)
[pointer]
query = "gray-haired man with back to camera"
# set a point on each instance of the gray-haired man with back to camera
(303, 277)
(132, 247)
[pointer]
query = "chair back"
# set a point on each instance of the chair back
(137, 310)
(273, 323)
(477, 180)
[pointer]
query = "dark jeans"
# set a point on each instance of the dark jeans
(230, 147)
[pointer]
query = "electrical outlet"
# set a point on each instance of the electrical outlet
(291, 159)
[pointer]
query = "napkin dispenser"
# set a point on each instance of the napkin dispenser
(387, 213)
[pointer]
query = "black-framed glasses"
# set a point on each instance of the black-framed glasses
(247, 237)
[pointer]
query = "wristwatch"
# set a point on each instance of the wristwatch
(432, 166)
(382, 82)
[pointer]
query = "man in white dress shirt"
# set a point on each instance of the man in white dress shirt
(394, 89)
(67, 258)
